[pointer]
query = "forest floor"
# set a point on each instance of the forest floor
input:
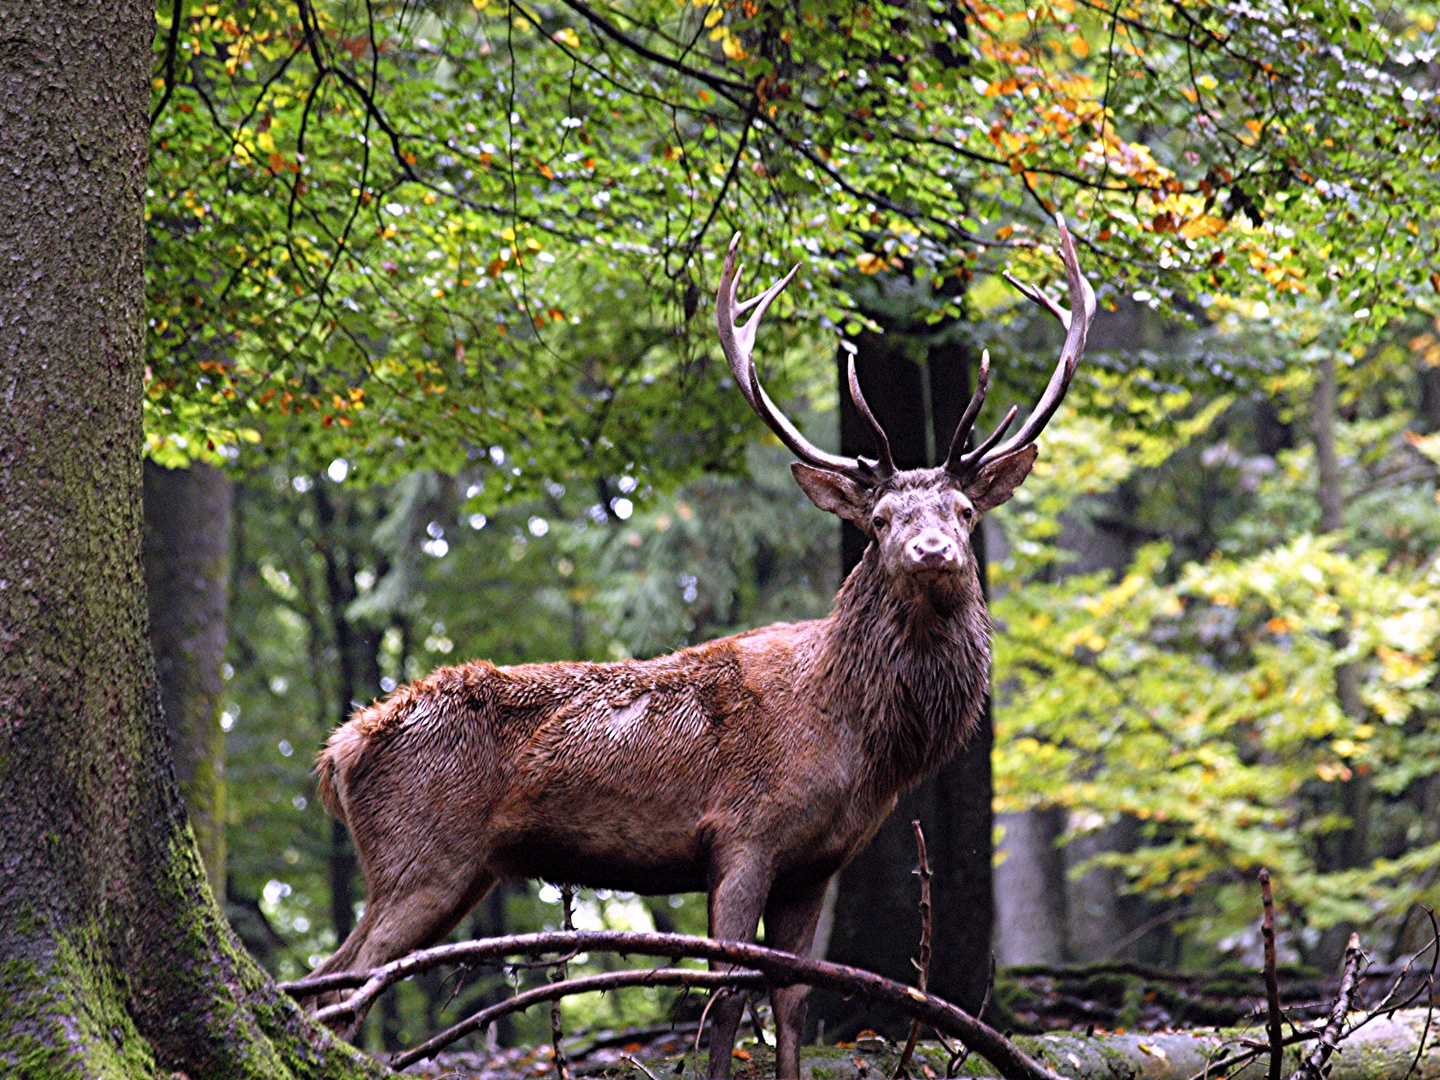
(1163, 1021)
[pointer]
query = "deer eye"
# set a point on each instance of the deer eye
(878, 523)
(968, 513)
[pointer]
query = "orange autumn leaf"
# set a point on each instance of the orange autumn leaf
(1204, 225)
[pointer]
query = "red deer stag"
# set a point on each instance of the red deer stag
(753, 767)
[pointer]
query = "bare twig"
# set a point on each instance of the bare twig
(700, 1029)
(755, 1022)
(1312, 1068)
(902, 1067)
(586, 984)
(778, 968)
(989, 988)
(172, 43)
(636, 1063)
(1427, 985)
(1430, 986)
(1222, 1066)
(1273, 1027)
(558, 974)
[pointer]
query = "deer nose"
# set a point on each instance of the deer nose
(932, 550)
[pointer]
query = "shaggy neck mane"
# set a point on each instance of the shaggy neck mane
(907, 667)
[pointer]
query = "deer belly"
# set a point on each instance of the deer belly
(608, 846)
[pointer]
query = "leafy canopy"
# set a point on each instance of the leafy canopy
(398, 233)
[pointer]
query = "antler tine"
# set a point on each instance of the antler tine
(1040, 297)
(886, 464)
(972, 410)
(996, 435)
(1082, 301)
(738, 344)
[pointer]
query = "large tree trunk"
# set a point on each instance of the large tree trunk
(876, 921)
(187, 578)
(114, 958)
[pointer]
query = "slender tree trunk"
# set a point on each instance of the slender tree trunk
(357, 648)
(1355, 843)
(187, 579)
(1352, 845)
(1030, 893)
(875, 915)
(114, 958)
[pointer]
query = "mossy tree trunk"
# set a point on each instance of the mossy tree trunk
(114, 958)
(187, 579)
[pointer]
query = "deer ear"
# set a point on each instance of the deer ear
(998, 480)
(833, 492)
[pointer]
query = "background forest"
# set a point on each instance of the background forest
(432, 378)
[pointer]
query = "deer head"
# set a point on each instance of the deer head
(919, 519)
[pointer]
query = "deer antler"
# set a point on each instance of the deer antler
(965, 465)
(738, 344)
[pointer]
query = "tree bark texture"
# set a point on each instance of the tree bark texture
(875, 915)
(187, 579)
(114, 959)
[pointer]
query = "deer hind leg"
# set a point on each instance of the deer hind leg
(791, 915)
(736, 900)
(400, 919)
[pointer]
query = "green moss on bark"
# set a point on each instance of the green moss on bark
(63, 1015)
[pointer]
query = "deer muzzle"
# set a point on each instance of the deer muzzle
(931, 550)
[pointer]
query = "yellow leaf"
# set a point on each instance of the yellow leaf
(567, 37)
(732, 48)
(716, 14)
(1204, 225)
(1429, 445)
(1080, 47)
(867, 263)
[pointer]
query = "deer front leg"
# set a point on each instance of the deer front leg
(790, 919)
(736, 900)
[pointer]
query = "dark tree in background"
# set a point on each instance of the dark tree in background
(187, 577)
(916, 379)
(114, 958)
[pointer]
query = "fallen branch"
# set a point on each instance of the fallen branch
(1312, 1068)
(586, 984)
(778, 969)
